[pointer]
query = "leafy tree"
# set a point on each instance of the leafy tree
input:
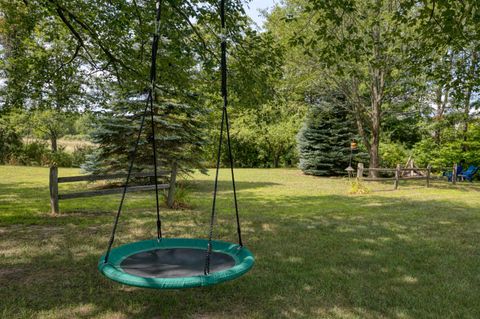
(357, 48)
(54, 80)
(454, 89)
(450, 37)
(50, 125)
(272, 128)
(255, 70)
(405, 128)
(263, 123)
(84, 124)
(16, 27)
(187, 69)
(393, 154)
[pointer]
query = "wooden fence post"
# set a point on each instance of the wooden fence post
(397, 176)
(429, 170)
(454, 174)
(53, 184)
(171, 189)
(360, 170)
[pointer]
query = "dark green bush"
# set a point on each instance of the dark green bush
(392, 154)
(38, 153)
(60, 158)
(79, 155)
(10, 142)
(34, 153)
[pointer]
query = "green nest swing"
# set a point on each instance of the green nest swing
(175, 263)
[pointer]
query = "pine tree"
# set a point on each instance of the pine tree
(324, 140)
(179, 135)
(179, 111)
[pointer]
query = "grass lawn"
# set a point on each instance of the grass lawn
(320, 253)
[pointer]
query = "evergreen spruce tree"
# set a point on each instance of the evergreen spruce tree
(179, 135)
(324, 140)
(179, 111)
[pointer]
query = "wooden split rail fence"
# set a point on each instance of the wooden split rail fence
(424, 173)
(55, 197)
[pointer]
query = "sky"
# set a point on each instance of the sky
(254, 6)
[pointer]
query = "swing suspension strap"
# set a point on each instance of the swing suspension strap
(148, 105)
(153, 78)
(224, 124)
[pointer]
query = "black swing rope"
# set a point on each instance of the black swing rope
(149, 104)
(153, 78)
(225, 123)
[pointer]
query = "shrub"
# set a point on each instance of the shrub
(38, 154)
(60, 158)
(357, 187)
(10, 142)
(392, 154)
(80, 154)
(34, 153)
(182, 196)
(444, 155)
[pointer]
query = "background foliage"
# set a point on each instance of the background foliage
(408, 72)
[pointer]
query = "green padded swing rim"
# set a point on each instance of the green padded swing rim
(244, 261)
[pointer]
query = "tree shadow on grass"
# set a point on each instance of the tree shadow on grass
(206, 186)
(384, 186)
(316, 256)
(22, 204)
(461, 186)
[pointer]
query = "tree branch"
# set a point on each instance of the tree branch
(62, 11)
(79, 38)
(75, 54)
(195, 30)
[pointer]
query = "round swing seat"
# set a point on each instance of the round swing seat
(175, 263)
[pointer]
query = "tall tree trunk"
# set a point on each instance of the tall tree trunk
(375, 140)
(377, 87)
(466, 116)
(351, 91)
(441, 100)
(468, 96)
(377, 73)
(276, 160)
(53, 142)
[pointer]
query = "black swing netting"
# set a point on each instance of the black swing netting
(174, 262)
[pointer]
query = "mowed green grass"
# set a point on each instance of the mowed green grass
(320, 253)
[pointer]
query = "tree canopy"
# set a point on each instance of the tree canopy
(407, 71)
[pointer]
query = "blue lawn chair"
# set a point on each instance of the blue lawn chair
(469, 173)
(449, 173)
